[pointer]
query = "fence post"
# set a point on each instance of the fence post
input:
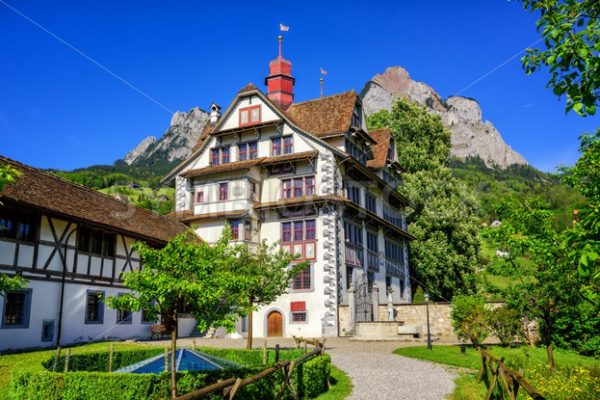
(110, 358)
(305, 347)
(56, 358)
(166, 358)
(323, 346)
(264, 355)
(194, 344)
(277, 353)
(67, 359)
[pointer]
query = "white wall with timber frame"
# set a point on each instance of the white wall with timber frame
(41, 263)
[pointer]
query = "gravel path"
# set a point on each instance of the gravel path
(377, 374)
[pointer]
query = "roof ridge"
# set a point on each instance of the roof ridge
(325, 97)
(95, 192)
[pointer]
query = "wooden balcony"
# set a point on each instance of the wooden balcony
(393, 268)
(372, 261)
(355, 255)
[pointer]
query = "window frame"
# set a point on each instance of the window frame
(276, 146)
(200, 197)
(26, 309)
(294, 313)
(127, 321)
(287, 143)
(100, 307)
(248, 110)
(224, 195)
(303, 280)
(108, 242)
(18, 219)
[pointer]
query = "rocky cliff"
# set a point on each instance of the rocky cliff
(174, 145)
(471, 136)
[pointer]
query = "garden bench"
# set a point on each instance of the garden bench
(158, 331)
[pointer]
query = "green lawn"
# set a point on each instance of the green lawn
(576, 377)
(341, 386)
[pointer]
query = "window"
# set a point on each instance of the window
(200, 197)
(297, 187)
(371, 203)
(250, 115)
(393, 216)
(393, 250)
(286, 189)
(349, 277)
(244, 324)
(220, 156)
(310, 229)
(124, 316)
(248, 230)
(253, 150)
(298, 231)
(355, 151)
(276, 146)
(225, 155)
(253, 193)
(223, 191)
(372, 241)
(18, 225)
(309, 185)
(17, 308)
(302, 280)
(247, 151)
(401, 287)
(94, 310)
(288, 144)
(298, 309)
(353, 233)
(390, 154)
(284, 168)
(235, 228)
(214, 156)
(353, 193)
(96, 242)
(388, 282)
(357, 117)
(286, 232)
(148, 316)
(48, 330)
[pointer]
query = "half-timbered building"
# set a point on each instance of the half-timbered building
(72, 245)
(312, 177)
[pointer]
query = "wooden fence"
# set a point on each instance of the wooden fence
(229, 387)
(503, 383)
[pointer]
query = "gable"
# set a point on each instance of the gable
(245, 111)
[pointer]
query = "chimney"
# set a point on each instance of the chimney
(280, 82)
(215, 113)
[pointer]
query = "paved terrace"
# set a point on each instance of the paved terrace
(376, 373)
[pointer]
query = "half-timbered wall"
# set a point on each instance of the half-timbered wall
(41, 263)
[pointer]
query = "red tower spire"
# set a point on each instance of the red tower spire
(280, 82)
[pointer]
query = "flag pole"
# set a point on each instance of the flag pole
(280, 37)
(322, 81)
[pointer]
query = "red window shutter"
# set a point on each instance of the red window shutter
(298, 306)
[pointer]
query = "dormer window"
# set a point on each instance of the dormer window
(220, 156)
(357, 117)
(390, 155)
(250, 115)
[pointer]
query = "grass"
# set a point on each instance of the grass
(530, 359)
(341, 386)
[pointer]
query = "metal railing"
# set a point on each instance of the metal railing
(373, 261)
(355, 254)
(393, 268)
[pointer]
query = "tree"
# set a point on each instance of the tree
(584, 238)
(267, 274)
(443, 212)
(470, 319)
(571, 32)
(9, 175)
(185, 272)
(539, 266)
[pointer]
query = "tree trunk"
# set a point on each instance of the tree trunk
(173, 350)
(249, 328)
(550, 353)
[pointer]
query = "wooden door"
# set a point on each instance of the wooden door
(274, 324)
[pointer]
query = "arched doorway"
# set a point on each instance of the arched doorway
(274, 324)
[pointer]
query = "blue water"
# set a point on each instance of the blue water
(185, 360)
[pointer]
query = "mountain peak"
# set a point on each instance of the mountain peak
(471, 136)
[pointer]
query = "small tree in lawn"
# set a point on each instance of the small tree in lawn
(470, 319)
(185, 271)
(266, 272)
(9, 175)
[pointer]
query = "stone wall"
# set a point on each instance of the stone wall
(440, 321)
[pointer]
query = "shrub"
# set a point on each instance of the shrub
(506, 325)
(419, 296)
(470, 318)
(309, 378)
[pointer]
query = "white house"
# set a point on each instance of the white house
(72, 244)
(310, 176)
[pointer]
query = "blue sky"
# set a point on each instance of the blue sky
(60, 110)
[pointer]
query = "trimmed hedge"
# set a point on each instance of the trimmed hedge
(98, 362)
(310, 378)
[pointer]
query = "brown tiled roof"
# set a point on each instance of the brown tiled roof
(188, 216)
(56, 195)
(325, 116)
(248, 88)
(221, 168)
(289, 157)
(380, 148)
(246, 164)
(300, 200)
(206, 131)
